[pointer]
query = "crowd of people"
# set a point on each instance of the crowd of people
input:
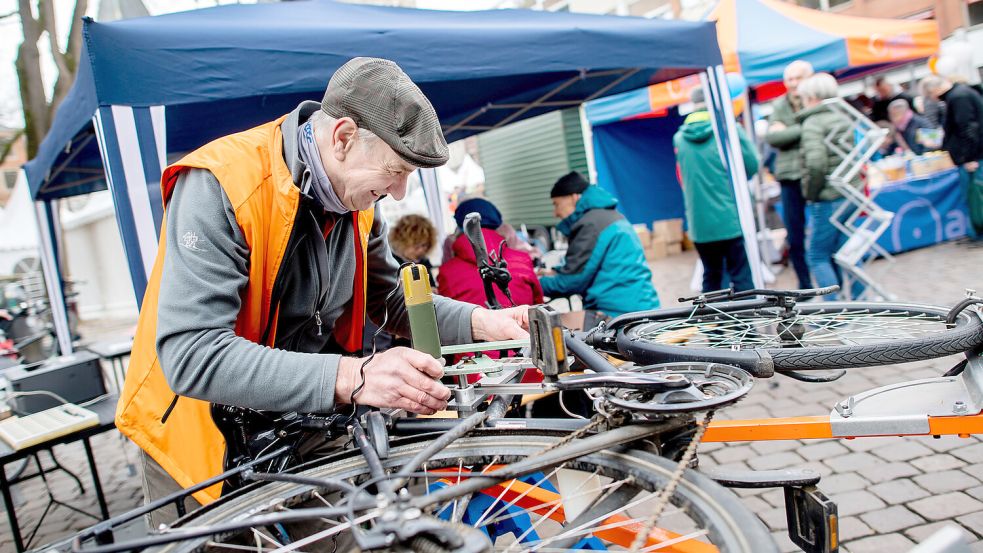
(605, 263)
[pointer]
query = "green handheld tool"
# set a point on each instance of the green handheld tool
(419, 306)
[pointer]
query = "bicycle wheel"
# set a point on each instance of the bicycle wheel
(828, 335)
(605, 496)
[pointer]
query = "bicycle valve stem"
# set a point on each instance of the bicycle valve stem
(419, 305)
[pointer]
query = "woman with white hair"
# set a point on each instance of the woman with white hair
(818, 161)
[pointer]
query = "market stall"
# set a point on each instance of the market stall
(150, 89)
(758, 38)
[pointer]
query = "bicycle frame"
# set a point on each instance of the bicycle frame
(940, 406)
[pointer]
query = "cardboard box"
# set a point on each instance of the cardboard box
(670, 230)
(657, 249)
(675, 248)
(644, 235)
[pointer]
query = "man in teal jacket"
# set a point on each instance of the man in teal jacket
(711, 208)
(605, 262)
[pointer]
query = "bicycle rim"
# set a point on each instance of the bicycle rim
(598, 500)
(825, 335)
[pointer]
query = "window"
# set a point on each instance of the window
(975, 13)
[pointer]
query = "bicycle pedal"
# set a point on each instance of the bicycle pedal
(813, 521)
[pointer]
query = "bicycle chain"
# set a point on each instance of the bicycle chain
(642, 537)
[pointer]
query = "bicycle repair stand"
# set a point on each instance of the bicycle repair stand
(855, 140)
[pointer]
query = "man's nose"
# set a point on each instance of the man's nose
(398, 188)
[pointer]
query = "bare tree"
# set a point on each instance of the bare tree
(38, 22)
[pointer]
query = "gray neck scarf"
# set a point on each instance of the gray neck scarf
(318, 184)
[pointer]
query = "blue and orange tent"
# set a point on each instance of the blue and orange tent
(758, 38)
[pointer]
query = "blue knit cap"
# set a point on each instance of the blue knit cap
(491, 217)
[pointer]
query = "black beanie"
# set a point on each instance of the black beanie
(571, 183)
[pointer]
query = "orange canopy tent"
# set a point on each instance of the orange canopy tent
(758, 38)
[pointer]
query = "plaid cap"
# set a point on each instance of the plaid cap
(381, 98)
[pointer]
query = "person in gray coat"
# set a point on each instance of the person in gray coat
(784, 132)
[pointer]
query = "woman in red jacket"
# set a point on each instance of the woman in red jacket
(458, 277)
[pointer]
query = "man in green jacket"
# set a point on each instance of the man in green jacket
(713, 221)
(784, 133)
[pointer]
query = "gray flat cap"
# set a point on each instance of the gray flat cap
(381, 98)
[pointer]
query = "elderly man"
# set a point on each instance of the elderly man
(783, 134)
(906, 125)
(963, 129)
(272, 258)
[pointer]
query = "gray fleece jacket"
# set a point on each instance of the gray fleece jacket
(206, 269)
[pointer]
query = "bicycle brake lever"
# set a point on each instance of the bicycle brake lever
(638, 381)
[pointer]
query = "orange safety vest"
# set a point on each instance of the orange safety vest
(251, 170)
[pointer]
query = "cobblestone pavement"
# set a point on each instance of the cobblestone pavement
(892, 492)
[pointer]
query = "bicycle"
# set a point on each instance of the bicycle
(640, 446)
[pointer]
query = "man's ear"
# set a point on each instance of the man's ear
(344, 133)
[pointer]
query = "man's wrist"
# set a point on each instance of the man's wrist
(344, 384)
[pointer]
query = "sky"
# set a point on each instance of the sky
(11, 37)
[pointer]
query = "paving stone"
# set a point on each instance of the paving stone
(852, 528)
(918, 534)
(881, 544)
(972, 521)
(862, 444)
(784, 542)
(782, 460)
(774, 519)
(822, 450)
(853, 461)
(756, 504)
(970, 454)
(898, 491)
(774, 446)
(888, 471)
(857, 502)
(902, 450)
(732, 454)
(976, 492)
(945, 506)
(946, 481)
(943, 443)
(891, 519)
(842, 482)
(975, 470)
(775, 497)
(938, 462)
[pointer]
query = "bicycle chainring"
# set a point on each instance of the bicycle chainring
(712, 385)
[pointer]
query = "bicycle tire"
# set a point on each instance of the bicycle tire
(964, 336)
(732, 527)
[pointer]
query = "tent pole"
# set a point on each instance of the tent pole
(588, 136)
(757, 182)
(46, 221)
(435, 201)
(728, 141)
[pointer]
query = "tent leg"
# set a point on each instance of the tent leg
(47, 223)
(722, 117)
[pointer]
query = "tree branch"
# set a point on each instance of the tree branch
(8, 146)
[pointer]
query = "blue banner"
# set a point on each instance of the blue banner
(927, 211)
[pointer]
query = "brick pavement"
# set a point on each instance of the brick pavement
(892, 492)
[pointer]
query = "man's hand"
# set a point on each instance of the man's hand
(777, 126)
(971, 166)
(399, 378)
(501, 324)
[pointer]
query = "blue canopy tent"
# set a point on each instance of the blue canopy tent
(150, 89)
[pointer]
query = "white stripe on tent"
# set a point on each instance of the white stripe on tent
(718, 97)
(434, 199)
(160, 134)
(136, 183)
(52, 273)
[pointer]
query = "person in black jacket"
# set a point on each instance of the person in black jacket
(963, 139)
(887, 92)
